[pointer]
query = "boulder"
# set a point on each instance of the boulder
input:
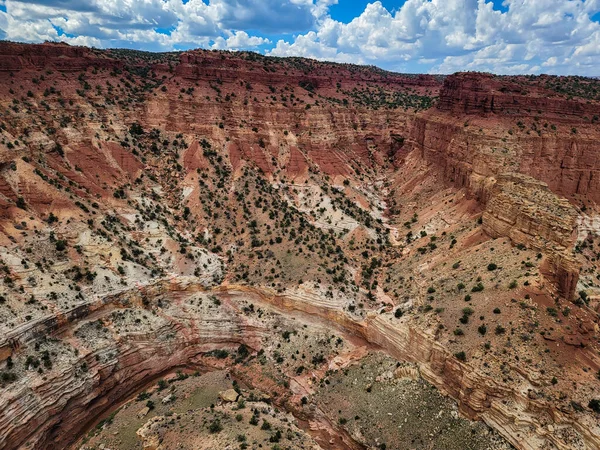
(229, 396)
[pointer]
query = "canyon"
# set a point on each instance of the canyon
(202, 210)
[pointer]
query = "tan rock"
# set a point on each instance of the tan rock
(407, 372)
(150, 433)
(168, 399)
(229, 396)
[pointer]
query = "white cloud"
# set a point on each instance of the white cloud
(156, 24)
(424, 35)
(239, 40)
(454, 35)
(270, 16)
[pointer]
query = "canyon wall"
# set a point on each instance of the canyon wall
(487, 127)
(473, 133)
(111, 364)
(61, 57)
(337, 142)
(79, 151)
(526, 211)
(115, 370)
(487, 94)
(209, 66)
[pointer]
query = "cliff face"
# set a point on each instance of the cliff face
(565, 162)
(203, 65)
(486, 125)
(483, 93)
(285, 114)
(60, 57)
(115, 357)
(337, 141)
(116, 368)
(526, 211)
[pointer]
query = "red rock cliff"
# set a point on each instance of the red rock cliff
(477, 93)
(61, 57)
(485, 125)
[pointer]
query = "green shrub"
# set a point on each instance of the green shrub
(215, 426)
(477, 288)
(461, 356)
(594, 405)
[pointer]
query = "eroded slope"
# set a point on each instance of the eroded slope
(437, 233)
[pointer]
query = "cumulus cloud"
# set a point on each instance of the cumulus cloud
(271, 16)
(452, 35)
(155, 24)
(442, 36)
(239, 40)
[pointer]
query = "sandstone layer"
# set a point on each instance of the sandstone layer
(116, 368)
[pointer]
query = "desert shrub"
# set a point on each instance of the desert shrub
(215, 426)
(461, 356)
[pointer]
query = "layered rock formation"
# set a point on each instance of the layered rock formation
(484, 93)
(61, 57)
(526, 211)
(150, 205)
(482, 126)
(112, 362)
(116, 368)
(524, 138)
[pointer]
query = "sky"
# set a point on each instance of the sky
(419, 36)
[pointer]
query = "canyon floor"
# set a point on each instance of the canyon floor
(223, 250)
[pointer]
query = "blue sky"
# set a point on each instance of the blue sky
(345, 11)
(432, 36)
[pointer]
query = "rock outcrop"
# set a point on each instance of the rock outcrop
(486, 126)
(114, 372)
(51, 411)
(484, 93)
(541, 136)
(526, 211)
(55, 56)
